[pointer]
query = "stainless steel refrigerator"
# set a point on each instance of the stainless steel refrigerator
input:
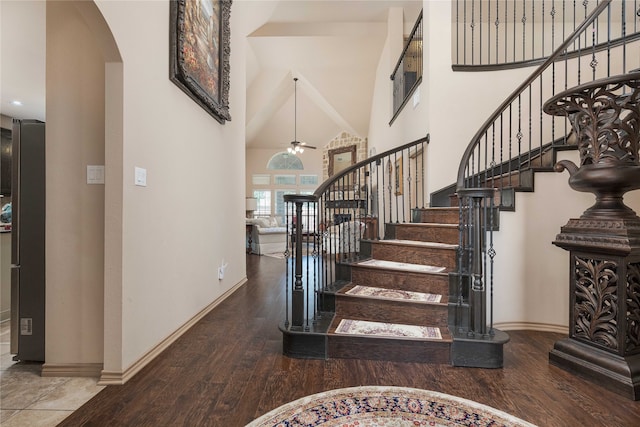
(27, 240)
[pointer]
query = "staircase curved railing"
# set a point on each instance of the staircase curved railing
(514, 139)
(330, 229)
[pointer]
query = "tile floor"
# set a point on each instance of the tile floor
(27, 399)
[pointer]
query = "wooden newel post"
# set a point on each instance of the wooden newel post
(604, 243)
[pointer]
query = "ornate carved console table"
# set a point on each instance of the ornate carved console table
(604, 243)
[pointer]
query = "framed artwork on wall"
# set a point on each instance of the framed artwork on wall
(199, 52)
(398, 177)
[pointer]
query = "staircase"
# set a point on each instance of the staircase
(434, 270)
(403, 283)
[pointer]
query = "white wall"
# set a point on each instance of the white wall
(189, 218)
(75, 210)
(164, 241)
(531, 276)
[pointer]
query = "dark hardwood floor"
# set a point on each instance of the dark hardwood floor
(228, 370)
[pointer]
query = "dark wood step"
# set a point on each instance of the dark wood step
(391, 311)
(446, 215)
(435, 254)
(389, 349)
(368, 275)
(425, 232)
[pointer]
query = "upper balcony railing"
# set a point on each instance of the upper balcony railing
(514, 141)
(490, 34)
(407, 74)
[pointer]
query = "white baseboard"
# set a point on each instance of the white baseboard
(119, 378)
(531, 326)
(71, 370)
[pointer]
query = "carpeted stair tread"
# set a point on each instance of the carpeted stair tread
(370, 329)
(401, 266)
(391, 294)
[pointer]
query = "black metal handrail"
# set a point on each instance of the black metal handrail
(407, 74)
(347, 209)
(501, 151)
(492, 34)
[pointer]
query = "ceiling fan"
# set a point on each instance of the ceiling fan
(297, 146)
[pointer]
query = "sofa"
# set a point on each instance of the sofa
(268, 235)
(344, 237)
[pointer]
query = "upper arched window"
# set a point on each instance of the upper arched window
(285, 161)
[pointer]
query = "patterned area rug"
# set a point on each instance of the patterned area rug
(420, 268)
(392, 294)
(374, 406)
(379, 329)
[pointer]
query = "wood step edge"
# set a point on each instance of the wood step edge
(427, 225)
(418, 243)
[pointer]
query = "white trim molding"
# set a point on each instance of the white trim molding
(71, 370)
(119, 378)
(532, 326)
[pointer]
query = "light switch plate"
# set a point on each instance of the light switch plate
(95, 174)
(140, 177)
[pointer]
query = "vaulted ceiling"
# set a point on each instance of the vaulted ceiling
(331, 46)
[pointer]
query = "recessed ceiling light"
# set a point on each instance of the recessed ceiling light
(16, 102)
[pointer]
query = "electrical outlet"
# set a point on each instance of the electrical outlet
(221, 269)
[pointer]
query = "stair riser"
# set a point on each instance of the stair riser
(414, 282)
(430, 234)
(438, 216)
(348, 347)
(402, 312)
(415, 255)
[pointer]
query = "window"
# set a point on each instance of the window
(309, 180)
(285, 161)
(280, 210)
(284, 179)
(259, 179)
(263, 198)
(309, 215)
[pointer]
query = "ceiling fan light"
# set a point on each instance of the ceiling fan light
(290, 150)
(301, 150)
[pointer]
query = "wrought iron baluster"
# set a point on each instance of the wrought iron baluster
(397, 177)
(515, 19)
(408, 179)
(501, 182)
(497, 24)
(510, 141)
(286, 270)
(473, 27)
(464, 52)
(609, 40)
(624, 35)
(524, 29)
(458, 31)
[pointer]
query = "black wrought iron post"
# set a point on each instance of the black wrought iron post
(297, 297)
(478, 292)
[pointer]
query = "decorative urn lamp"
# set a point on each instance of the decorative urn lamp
(604, 243)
